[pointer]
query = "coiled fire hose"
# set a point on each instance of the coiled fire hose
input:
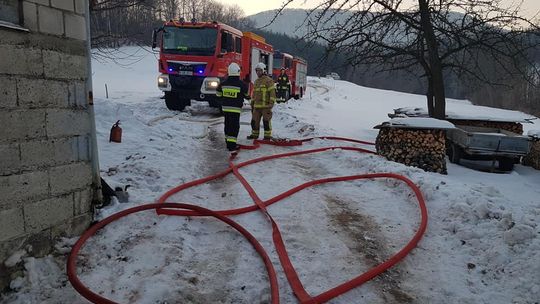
(162, 207)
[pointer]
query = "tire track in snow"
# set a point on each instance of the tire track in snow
(361, 234)
(320, 88)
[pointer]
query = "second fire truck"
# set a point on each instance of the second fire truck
(295, 68)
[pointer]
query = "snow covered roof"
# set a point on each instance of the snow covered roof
(416, 123)
(464, 111)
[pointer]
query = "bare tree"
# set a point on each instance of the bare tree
(115, 23)
(459, 36)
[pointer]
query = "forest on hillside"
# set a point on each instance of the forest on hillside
(130, 22)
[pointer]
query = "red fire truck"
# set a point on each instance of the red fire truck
(296, 69)
(194, 57)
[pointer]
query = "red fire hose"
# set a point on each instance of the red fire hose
(162, 207)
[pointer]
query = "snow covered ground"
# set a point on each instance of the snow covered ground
(482, 243)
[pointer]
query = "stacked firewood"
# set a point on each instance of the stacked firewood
(514, 127)
(533, 158)
(422, 148)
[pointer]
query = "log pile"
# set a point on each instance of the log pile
(422, 148)
(533, 158)
(515, 127)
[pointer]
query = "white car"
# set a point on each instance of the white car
(333, 75)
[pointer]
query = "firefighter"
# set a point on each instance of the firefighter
(283, 86)
(264, 97)
(231, 93)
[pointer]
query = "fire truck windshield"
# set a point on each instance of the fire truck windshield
(189, 40)
(278, 61)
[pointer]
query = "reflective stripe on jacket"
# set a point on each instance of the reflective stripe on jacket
(264, 92)
(231, 93)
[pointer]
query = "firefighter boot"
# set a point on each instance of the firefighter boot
(233, 148)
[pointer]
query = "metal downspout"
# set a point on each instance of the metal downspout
(96, 178)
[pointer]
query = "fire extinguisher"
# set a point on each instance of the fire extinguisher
(116, 133)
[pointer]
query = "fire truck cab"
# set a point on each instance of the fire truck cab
(295, 68)
(194, 57)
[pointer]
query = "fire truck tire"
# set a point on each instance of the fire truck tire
(174, 103)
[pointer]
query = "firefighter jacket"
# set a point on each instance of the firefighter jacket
(264, 93)
(231, 93)
(283, 82)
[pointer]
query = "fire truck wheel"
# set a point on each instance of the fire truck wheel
(174, 103)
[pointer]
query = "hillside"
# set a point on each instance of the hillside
(290, 22)
(511, 95)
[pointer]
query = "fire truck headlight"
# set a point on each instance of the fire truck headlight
(213, 84)
(162, 81)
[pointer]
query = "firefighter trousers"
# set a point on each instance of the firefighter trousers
(232, 127)
(282, 95)
(266, 115)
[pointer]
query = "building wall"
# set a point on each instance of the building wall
(45, 129)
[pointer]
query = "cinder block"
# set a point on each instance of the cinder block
(22, 60)
(68, 123)
(29, 124)
(77, 94)
(73, 227)
(75, 26)
(83, 202)
(80, 6)
(30, 16)
(22, 187)
(50, 152)
(11, 223)
(41, 93)
(83, 148)
(8, 93)
(64, 66)
(63, 4)
(50, 21)
(66, 179)
(48, 213)
(10, 160)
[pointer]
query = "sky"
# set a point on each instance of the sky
(252, 7)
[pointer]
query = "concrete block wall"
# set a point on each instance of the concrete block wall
(46, 188)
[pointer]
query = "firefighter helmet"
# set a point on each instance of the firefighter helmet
(234, 69)
(260, 66)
